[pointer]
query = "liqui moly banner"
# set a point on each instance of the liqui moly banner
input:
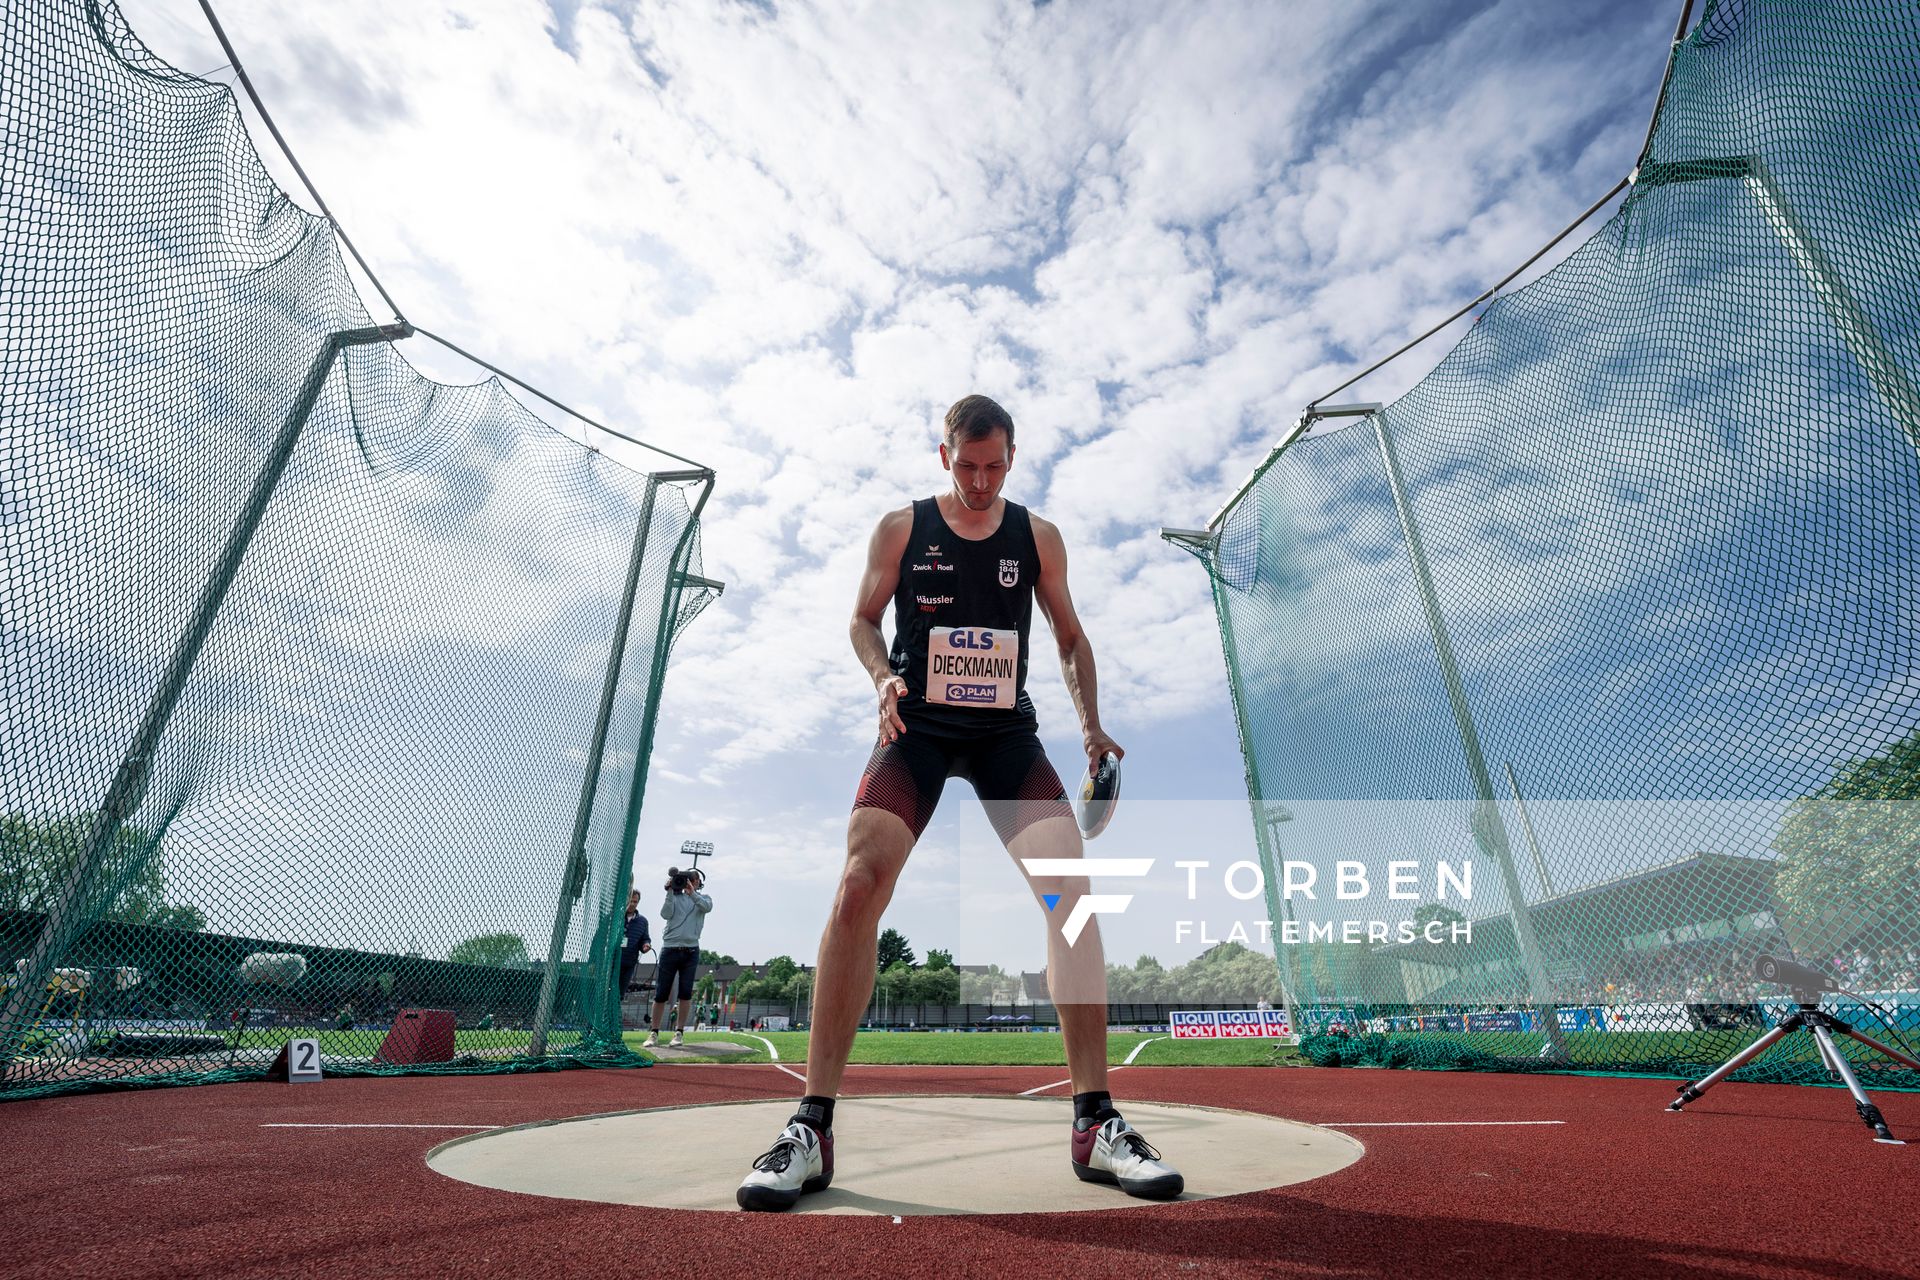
(1228, 1024)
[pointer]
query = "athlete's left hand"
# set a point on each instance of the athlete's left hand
(1098, 744)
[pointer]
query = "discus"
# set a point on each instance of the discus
(1099, 796)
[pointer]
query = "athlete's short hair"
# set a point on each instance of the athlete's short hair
(975, 418)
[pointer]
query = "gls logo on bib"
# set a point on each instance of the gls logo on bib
(972, 667)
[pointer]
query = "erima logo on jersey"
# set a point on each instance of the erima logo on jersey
(1009, 573)
(970, 693)
(933, 552)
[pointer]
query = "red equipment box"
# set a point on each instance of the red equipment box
(418, 1035)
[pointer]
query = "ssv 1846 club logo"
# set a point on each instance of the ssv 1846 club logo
(1093, 904)
(1009, 573)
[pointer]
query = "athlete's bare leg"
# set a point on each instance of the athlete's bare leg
(878, 843)
(1077, 974)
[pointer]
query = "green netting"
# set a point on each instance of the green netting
(1618, 605)
(328, 689)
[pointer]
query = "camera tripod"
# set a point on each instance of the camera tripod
(1822, 1025)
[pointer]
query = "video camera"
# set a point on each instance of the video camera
(1804, 979)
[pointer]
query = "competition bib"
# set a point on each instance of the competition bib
(973, 667)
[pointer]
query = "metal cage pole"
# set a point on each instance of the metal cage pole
(678, 580)
(1489, 828)
(130, 781)
(573, 875)
(1533, 840)
(1205, 545)
(1277, 903)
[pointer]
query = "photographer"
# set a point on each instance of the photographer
(638, 940)
(682, 916)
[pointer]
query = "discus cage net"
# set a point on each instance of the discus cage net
(1619, 605)
(326, 690)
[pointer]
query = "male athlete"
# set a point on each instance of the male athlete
(962, 572)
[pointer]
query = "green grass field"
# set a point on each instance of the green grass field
(991, 1048)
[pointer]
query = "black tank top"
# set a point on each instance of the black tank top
(961, 618)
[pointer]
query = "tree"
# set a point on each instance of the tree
(38, 854)
(1228, 974)
(894, 984)
(780, 970)
(181, 915)
(714, 957)
(938, 959)
(1850, 854)
(983, 988)
(934, 986)
(894, 949)
(500, 950)
(799, 990)
(1145, 983)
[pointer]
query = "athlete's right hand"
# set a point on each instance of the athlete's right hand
(892, 689)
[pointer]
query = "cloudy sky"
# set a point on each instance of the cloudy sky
(781, 239)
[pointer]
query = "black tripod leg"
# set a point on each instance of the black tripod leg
(1689, 1092)
(1869, 1113)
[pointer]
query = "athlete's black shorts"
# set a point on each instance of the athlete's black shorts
(675, 962)
(1007, 766)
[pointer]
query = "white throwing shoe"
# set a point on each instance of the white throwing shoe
(676, 1042)
(652, 1041)
(1115, 1153)
(799, 1161)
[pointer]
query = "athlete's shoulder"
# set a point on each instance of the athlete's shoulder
(891, 534)
(898, 523)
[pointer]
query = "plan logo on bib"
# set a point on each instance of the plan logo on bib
(1009, 573)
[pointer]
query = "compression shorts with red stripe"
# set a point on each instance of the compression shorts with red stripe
(1008, 768)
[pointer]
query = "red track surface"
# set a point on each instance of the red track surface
(1753, 1180)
